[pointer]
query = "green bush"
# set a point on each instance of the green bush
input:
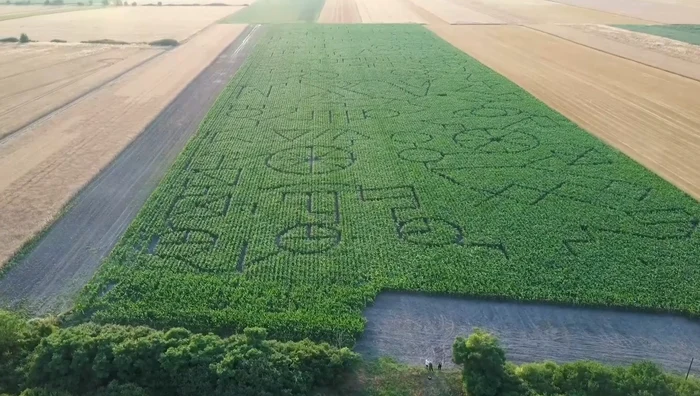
(23, 38)
(165, 43)
(485, 372)
(88, 357)
(18, 337)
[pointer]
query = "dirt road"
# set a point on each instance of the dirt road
(651, 115)
(413, 327)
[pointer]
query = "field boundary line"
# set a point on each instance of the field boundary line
(611, 53)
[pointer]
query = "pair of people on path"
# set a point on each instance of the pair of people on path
(429, 365)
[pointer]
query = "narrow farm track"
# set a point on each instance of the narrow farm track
(72, 249)
(413, 327)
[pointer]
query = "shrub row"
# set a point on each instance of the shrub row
(485, 372)
(91, 359)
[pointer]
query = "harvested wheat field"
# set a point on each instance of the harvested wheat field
(387, 11)
(542, 11)
(455, 13)
(14, 11)
(340, 11)
(647, 10)
(43, 167)
(660, 52)
(649, 114)
(38, 78)
(131, 24)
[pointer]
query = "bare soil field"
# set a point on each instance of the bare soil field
(414, 327)
(660, 52)
(43, 166)
(649, 114)
(14, 11)
(542, 11)
(38, 78)
(340, 11)
(387, 11)
(648, 10)
(455, 13)
(131, 24)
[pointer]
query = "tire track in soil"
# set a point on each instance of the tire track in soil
(48, 278)
(411, 327)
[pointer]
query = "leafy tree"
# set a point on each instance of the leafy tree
(88, 357)
(485, 371)
(23, 38)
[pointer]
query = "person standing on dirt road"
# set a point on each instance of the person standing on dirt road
(427, 363)
(430, 367)
(439, 366)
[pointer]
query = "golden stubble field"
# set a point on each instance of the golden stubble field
(21, 11)
(131, 24)
(44, 166)
(37, 78)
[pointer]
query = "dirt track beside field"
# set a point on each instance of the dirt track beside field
(414, 327)
(649, 114)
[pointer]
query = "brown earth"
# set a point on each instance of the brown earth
(131, 24)
(42, 167)
(38, 78)
(648, 10)
(340, 11)
(660, 52)
(387, 11)
(649, 114)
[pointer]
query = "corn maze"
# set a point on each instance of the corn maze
(334, 166)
